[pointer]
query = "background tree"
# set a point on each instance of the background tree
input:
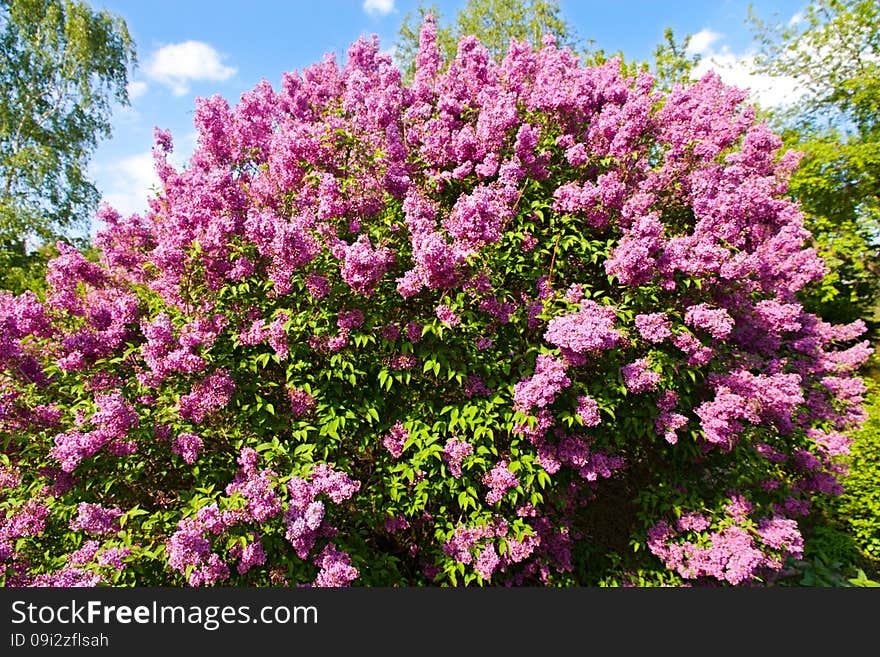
(672, 63)
(495, 22)
(834, 54)
(62, 65)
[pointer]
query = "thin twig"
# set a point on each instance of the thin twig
(553, 259)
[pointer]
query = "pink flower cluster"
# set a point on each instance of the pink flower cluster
(499, 480)
(455, 451)
(732, 553)
(95, 519)
(306, 521)
(540, 389)
(395, 440)
(590, 329)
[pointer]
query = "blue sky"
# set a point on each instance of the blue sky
(191, 48)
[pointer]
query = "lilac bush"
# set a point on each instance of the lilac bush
(521, 323)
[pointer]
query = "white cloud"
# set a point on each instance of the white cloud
(701, 42)
(129, 182)
(738, 70)
(381, 7)
(178, 64)
(797, 18)
(136, 89)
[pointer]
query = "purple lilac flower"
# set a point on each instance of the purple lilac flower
(301, 401)
(187, 445)
(207, 396)
(390, 332)
(317, 286)
(257, 487)
(499, 480)
(654, 327)
(349, 320)
(716, 321)
(363, 266)
(667, 424)
(541, 389)
(277, 335)
(454, 452)
(84, 555)
(95, 519)
(588, 411)
(395, 439)
(638, 377)
(252, 554)
(487, 562)
(447, 316)
(587, 330)
(395, 524)
(414, 332)
(335, 568)
(113, 558)
(475, 387)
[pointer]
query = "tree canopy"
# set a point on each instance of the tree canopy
(62, 66)
(833, 52)
(495, 22)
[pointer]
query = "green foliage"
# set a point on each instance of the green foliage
(833, 54)
(859, 507)
(842, 543)
(672, 64)
(62, 64)
(21, 270)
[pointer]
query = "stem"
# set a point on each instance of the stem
(553, 259)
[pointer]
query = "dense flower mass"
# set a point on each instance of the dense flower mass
(497, 326)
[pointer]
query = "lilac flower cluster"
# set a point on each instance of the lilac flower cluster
(732, 553)
(252, 554)
(447, 316)
(476, 546)
(499, 480)
(716, 321)
(317, 285)
(590, 329)
(25, 520)
(113, 419)
(540, 389)
(187, 446)
(395, 440)
(188, 547)
(256, 486)
(588, 411)
(277, 335)
(95, 519)
(208, 396)
(335, 569)
(164, 354)
(639, 377)
(455, 451)
(669, 422)
(306, 522)
(364, 266)
(654, 327)
(575, 452)
(301, 401)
